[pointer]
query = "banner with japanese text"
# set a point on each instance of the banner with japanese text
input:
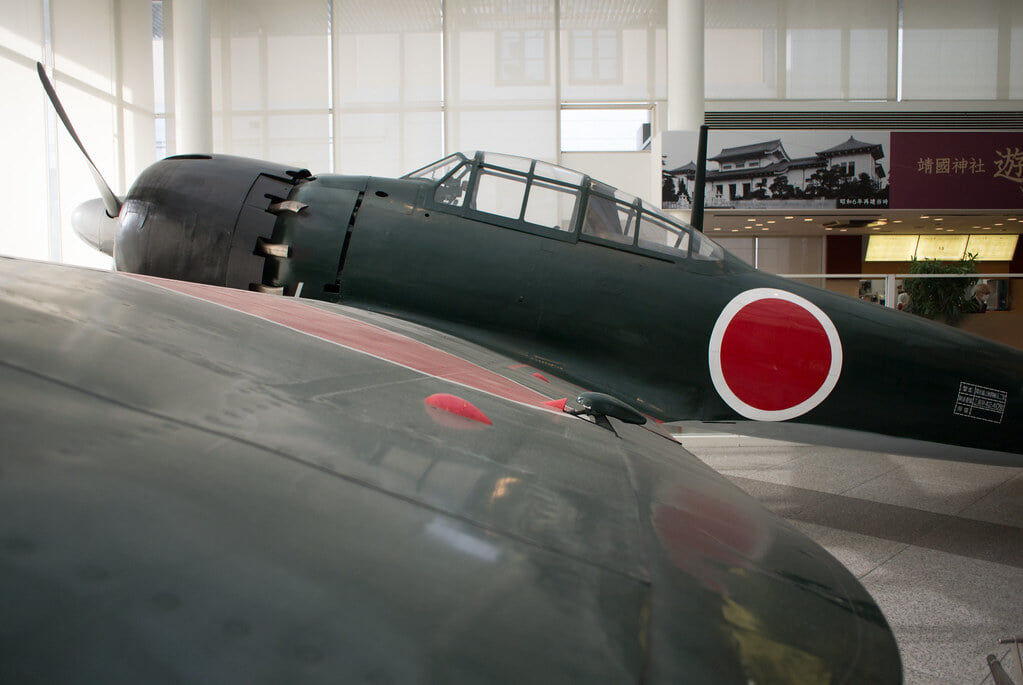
(956, 170)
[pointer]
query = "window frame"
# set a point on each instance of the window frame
(575, 36)
(522, 38)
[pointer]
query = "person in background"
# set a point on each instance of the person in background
(902, 302)
(978, 303)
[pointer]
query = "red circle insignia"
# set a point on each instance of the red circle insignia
(774, 355)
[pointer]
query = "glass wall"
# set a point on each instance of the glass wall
(410, 80)
(800, 49)
(388, 77)
(951, 48)
(101, 64)
(271, 80)
(383, 87)
(500, 82)
(22, 110)
(783, 255)
(613, 52)
(815, 50)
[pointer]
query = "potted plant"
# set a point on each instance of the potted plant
(942, 299)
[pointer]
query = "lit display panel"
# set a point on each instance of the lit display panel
(941, 247)
(992, 248)
(891, 248)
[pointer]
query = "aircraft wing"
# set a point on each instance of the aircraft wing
(201, 484)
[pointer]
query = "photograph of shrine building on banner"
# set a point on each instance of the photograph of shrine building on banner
(805, 170)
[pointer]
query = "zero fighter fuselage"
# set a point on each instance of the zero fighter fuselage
(570, 275)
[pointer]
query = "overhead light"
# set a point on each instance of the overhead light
(925, 216)
(897, 221)
(809, 218)
(827, 228)
(771, 221)
(790, 217)
(842, 230)
(735, 230)
(986, 228)
(765, 228)
(999, 224)
(716, 228)
(939, 218)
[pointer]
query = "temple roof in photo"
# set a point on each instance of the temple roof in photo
(852, 145)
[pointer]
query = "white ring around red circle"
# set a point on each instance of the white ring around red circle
(714, 355)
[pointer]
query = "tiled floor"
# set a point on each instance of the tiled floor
(938, 544)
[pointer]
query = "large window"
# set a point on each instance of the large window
(101, 66)
(522, 58)
(741, 48)
(840, 50)
(800, 49)
(604, 129)
(595, 56)
(613, 72)
(951, 49)
(263, 106)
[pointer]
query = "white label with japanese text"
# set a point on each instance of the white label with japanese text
(978, 402)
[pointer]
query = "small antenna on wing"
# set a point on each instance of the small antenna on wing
(600, 406)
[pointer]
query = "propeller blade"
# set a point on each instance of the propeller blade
(110, 201)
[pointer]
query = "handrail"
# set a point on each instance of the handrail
(880, 276)
(889, 279)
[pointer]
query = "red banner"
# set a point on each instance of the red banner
(956, 170)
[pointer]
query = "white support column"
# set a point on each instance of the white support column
(193, 83)
(685, 65)
(890, 296)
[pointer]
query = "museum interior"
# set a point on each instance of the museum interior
(846, 143)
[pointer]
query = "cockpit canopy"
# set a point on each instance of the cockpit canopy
(528, 194)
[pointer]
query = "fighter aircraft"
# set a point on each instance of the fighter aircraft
(568, 274)
(204, 483)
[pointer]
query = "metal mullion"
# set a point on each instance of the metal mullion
(529, 186)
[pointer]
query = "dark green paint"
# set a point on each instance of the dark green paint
(227, 500)
(189, 493)
(620, 319)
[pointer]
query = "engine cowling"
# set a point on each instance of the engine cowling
(204, 218)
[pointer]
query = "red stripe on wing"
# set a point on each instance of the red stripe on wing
(359, 336)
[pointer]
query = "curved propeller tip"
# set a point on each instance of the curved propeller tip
(110, 201)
